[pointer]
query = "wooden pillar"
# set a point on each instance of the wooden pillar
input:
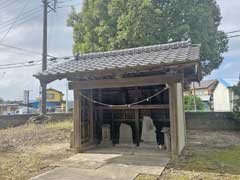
(84, 123)
(173, 119)
(137, 120)
(91, 111)
(137, 126)
(100, 116)
(77, 123)
(180, 119)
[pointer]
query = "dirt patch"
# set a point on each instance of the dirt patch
(29, 150)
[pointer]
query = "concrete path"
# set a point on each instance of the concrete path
(109, 164)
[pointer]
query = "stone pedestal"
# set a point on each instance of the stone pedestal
(106, 135)
(125, 134)
(148, 130)
(167, 138)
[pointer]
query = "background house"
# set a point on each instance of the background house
(204, 90)
(55, 102)
(55, 98)
(223, 95)
(7, 109)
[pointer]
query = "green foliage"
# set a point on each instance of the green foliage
(189, 103)
(116, 24)
(236, 109)
(1, 101)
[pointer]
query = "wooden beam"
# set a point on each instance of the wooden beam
(135, 107)
(125, 82)
(77, 123)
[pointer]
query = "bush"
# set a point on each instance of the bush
(189, 103)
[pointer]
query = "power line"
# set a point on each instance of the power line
(10, 28)
(19, 53)
(20, 66)
(65, 1)
(23, 22)
(8, 4)
(23, 16)
(229, 37)
(21, 49)
(67, 6)
(231, 32)
(20, 63)
(52, 20)
(31, 63)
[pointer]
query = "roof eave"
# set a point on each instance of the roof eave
(52, 77)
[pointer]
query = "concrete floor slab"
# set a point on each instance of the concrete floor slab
(110, 164)
(86, 160)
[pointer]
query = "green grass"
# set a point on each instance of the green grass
(215, 161)
(67, 124)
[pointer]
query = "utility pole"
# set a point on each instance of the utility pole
(45, 53)
(44, 58)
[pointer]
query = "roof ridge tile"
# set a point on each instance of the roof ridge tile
(136, 50)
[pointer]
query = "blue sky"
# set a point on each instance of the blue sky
(230, 68)
(29, 36)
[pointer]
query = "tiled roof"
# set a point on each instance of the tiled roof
(203, 84)
(172, 53)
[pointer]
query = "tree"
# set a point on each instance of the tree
(116, 24)
(189, 103)
(1, 101)
(236, 109)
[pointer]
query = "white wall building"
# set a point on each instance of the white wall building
(223, 95)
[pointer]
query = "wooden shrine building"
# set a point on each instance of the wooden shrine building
(123, 86)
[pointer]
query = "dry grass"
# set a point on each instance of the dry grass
(29, 150)
(59, 125)
(147, 177)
